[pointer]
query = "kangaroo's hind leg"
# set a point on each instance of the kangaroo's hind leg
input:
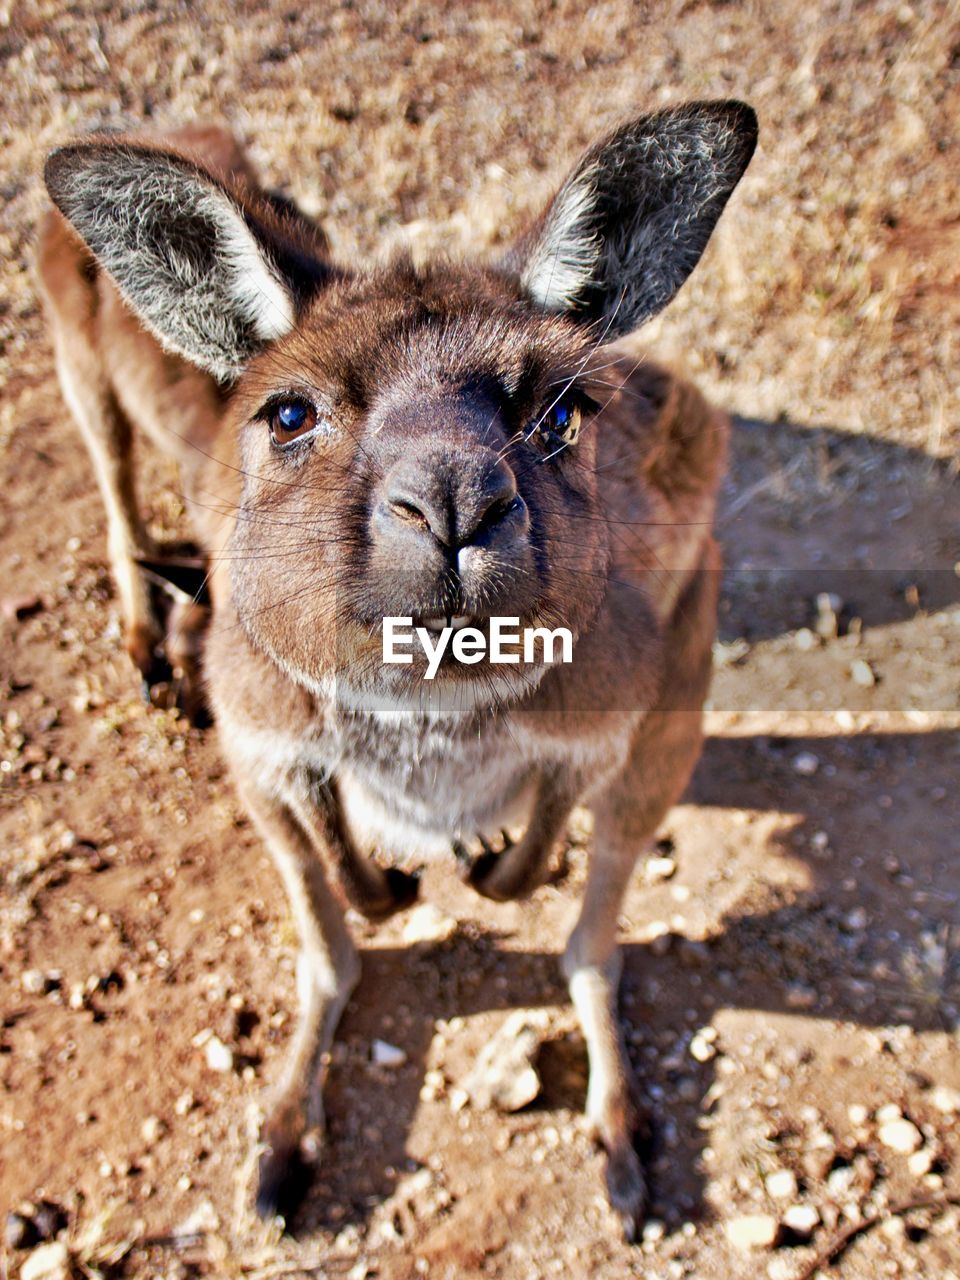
(327, 972)
(663, 754)
(67, 275)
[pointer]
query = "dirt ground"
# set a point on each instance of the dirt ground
(792, 978)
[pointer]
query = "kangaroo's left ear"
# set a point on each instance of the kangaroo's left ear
(632, 219)
(212, 272)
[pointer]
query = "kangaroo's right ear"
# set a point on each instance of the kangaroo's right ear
(212, 275)
(630, 223)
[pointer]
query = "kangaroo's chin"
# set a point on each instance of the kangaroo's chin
(449, 696)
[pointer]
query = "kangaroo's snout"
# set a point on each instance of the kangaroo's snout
(453, 499)
(449, 531)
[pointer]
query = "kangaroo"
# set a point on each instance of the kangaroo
(448, 444)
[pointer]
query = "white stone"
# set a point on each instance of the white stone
(858, 1114)
(862, 674)
(33, 981)
(781, 1184)
(806, 763)
(659, 868)
(427, 923)
(802, 1219)
(702, 1049)
(753, 1231)
(504, 1075)
(920, 1162)
(48, 1262)
(219, 1056)
(889, 1111)
(201, 1221)
(152, 1130)
(946, 1099)
(900, 1135)
(383, 1054)
(840, 1181)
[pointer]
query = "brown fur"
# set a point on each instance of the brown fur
(617, 545)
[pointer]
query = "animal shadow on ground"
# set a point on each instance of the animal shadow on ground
(873, 938)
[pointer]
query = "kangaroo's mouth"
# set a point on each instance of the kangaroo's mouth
(456, 621)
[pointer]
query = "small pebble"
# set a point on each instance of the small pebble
(861, 673)
(828, 609)
(34, 982)
(659, 868)
(219, 1056)
(946, 1100)
(840, 1181)
(802, 1219)
(152, 1130)
(753, 1231)
(857, 1114)
(781, 1184)
(800, 997)
(48, 1262)
(920, 1162)
(702, 1049)
(427, 923)
(900, 1135)
(504, 1075)
(653, 1230)
(806, 763)
(383, 1054)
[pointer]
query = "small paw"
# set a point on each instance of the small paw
(478, 861)
(286, 1167)
(283, 1176)
(403, 889)
(627, 1189)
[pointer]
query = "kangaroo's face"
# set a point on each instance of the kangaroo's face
(418, 444)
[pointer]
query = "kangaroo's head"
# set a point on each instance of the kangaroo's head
(415, 442)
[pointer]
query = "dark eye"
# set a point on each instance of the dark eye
(561, 423)
(291, 419)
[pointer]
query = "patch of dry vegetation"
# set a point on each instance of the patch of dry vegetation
(830, 295)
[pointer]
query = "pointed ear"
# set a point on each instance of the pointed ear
(214, 274)
(630, 223)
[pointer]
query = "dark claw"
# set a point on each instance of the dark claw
(473, 867)
(463, 856)
(481, 869)
(282, 1181)
(404, 887)
(627, 1190)
(155, 671)
(189, 697)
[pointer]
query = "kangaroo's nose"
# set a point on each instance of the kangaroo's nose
(457, 504)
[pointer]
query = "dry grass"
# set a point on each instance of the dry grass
(828, 296)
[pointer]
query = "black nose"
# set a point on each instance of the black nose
(457, 501)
